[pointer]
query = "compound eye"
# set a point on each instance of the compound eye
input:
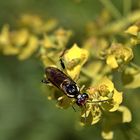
(85, 95)
(81, 99)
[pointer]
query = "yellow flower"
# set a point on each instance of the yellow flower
(52, 47)
(37, 24)
(28, 50)
(48, 42)
(19, 38)
(116, 100)
(111, 61)
(47, 57)
(95, 46)
(107, 135)
(102, 97)
(33, 21)
(132, 30)
(5, 36)
(49, 25)
(10, 50)
(6, 45)
(118, 54)
(74, 59)
(134, 34)
(111, 120)
(107, 83)
(62, 36)
(126, 114)
(90, 115)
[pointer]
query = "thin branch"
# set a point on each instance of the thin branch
(113, 10)
(126, 7)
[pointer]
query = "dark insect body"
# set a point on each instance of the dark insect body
(65, 84)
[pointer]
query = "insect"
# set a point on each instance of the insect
(65, 84)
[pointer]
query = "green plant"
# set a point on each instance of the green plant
(101, 54)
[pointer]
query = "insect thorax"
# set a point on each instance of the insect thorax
(70, 88)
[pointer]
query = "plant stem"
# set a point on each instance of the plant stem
(126, 7)
(113, 10)
(120, 24)
(135, 66)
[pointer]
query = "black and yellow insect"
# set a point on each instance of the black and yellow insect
(65, 84)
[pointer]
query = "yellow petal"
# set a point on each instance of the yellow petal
(50, 25)
(133, 30)
(134, 41)
(96, 115)
(86, 111)
(20, 38)
(4, 36)
(108, 83)
(117, 100)
(62, 37)
(76, 53)
(128, 53)
(126, 114)
(31, 20)
(107, 135)
(47, 42)
(74, 59)
(29, 49)
(111, 61)
(74, 73)
(10, 50)
(91, 119)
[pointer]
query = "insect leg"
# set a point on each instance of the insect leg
(83, 86)
(98, 101)
(61, 60)
(62, 54)
(73, 108)
(45, 81)
(62, 64)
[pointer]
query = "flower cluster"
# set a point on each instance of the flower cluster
(31, 37)
(103, 97)
(134, 31)
(90, 66)
(118, 55)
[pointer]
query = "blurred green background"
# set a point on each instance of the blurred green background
(25, 113)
